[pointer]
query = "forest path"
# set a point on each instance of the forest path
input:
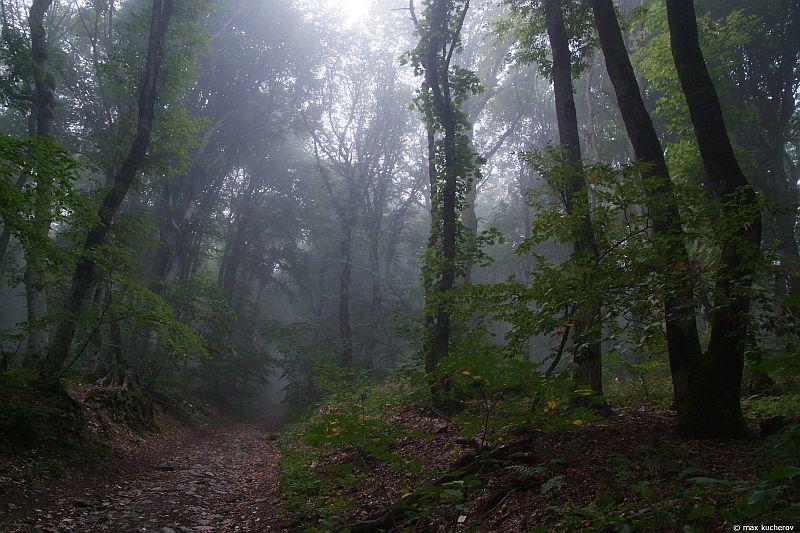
(221, 478)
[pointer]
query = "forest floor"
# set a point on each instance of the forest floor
(628, 472)
(203, 477)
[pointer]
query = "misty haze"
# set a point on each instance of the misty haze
(399, 265)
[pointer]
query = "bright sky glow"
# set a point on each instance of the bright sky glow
(352, 9)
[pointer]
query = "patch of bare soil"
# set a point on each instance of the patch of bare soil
(218, 477)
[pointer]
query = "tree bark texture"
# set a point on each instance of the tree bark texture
(85, 273)
(683, 341)
(35, 267)
(713, 405)
(433, 241)
(440, 41)
(586, 341)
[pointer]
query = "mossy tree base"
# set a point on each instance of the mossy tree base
(130, 407)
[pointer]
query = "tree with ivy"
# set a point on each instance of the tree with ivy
(452, 163)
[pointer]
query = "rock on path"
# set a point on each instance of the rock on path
(223, 479)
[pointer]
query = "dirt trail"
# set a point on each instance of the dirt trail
(222, 478)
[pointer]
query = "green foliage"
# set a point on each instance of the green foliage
(647, 383)
(629, 273)
(300, 359)
(142, 312)
(351, 424)
(658, 489)
(26, 163)
(764, 407)
(775, 495)
(353, 418)
(24, 423)
(16, 77)
(504, 394)
(175, 130)
(224, 355)
(527, 26)
(448, 498)
(303, 491)
(722, 41)
(32, 411)
(454, 164)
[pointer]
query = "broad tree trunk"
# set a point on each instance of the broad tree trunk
(683, 341)
(587, 350)
(35, 267)
(713, 406)
(85, 274)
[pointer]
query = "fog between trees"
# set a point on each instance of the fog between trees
(210, 195)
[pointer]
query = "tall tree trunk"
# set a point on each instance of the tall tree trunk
(85, 274)
(587, 350)
(433, 242)
(591, 128)
(683, 341)
(345, 282)
(5, 233)
(439, 39)
(525, 183)
(35, 267)
(713, 406)
(230, 274)
(376, 298)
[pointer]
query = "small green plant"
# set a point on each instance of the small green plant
(350, 423)
(48, 468)
(304, 491)
(503, 393)
(30, 410)
(447, 499)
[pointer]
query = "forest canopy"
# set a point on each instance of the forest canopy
(492, 202)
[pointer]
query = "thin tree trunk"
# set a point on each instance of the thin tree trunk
(524, 178)
(713, 407)
(85, 274)
(591, 129)
(376, 297)
(440, 40)
(433, 242)
(345, 282)
(5, 233)
(586, 341)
